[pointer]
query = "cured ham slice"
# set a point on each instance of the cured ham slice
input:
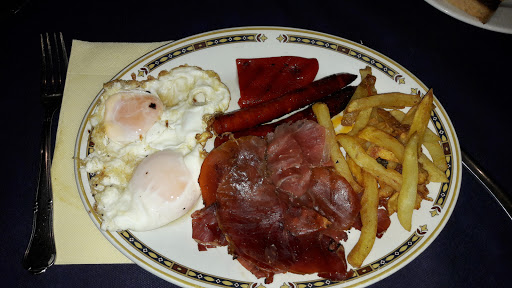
(205, 229)
(251, 187)
(292, 150)
(332, 197)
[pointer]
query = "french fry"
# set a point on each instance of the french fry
(357, 172)
(364, 89)
(431, 142)
(393, 165)
(392, 144)
(382, 145)
(421, 118)
(383, 139)
(434, 173)
(386, 100)
(392, 122)
(407, 119)
(361, 121)
(430, 139)
(409, 189)
(340, 164)
(376, 151)
(398, 114)
(385, 190)
(392, 205)
(369, 219)
(367, 163)
(430, 136)
(423, 192)
(422, 176)
(437, 154)
(396, 129)
(384, 127)
(365, 72)
(417, 202)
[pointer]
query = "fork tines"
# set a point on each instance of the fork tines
(54, 63)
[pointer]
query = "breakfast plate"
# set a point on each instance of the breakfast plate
(170, 252)
(501, 20)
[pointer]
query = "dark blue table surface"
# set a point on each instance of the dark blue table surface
(468, 67)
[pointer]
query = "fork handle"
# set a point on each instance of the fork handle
(41, 252)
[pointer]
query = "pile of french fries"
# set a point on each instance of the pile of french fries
(384, 158)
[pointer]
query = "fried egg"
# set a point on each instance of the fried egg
(129, 115)
(147, 151)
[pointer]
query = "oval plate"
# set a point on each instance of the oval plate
(172, 254)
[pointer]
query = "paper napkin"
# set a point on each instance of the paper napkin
(77, 239)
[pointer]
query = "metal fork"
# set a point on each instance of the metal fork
(41, 253)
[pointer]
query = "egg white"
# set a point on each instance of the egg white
(188, 94)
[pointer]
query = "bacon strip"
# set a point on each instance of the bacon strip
(289, 102)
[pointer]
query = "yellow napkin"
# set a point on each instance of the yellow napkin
(77, 239)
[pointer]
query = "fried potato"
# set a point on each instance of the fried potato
(391, 121)
(421, 118)
(409, 189)
(381, 144)
(392, 204)
(431, 142)
(340, 164)
(393, 165)
(376, 152)
(385, 190)
(384, 127)
(422, 176)
(384, 140)
(437, 154)
(364, 89)
(398, 114)
(369, 219)
(407, 119)
(430, 136)
(392, 144)
(367, 163)
(386, 100)
(361, 121)
(423, 192)
(434, 173)
(356, 171)
(365, 72)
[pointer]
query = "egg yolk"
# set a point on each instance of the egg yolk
(162, 175)
(129, 115)
(161, 190)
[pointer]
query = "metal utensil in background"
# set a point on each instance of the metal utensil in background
(41, 252)
(499, 195)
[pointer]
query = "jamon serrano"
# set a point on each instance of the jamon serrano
(270, 227)
(206, 228)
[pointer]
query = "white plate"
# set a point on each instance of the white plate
(501, 21)
(172, 254)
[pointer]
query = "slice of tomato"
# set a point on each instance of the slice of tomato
(263, 79)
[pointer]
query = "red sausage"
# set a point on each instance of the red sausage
(336, 102)
(291, 101)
